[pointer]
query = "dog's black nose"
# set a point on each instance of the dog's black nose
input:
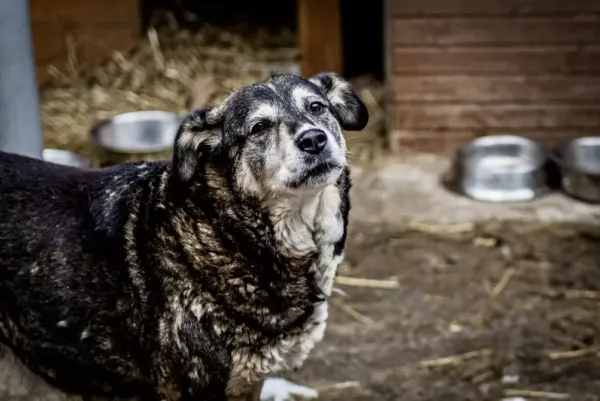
(312, 141)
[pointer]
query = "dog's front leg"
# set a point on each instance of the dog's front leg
(279, 389)
(190, 386)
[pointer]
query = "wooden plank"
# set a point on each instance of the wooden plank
(429, 141)
(496, 89)
(389, 89)
(319, 36)
(493, 7)
(101, 41)
(94, 43)
(498, 61)
(42, 75)
(48, 40)
(517, 116)
(497, 31)
(448, 142)
(86, 12)
(101, 27)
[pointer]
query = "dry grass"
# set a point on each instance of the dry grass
(159, 74)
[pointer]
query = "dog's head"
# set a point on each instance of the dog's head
(280, 135)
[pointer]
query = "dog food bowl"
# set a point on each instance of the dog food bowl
(502, 168)
(137, 132)
(579, 164)
(64, 157)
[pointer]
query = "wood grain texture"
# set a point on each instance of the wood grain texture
(49, 40)
(448, 142)
(319, 36)
(497, 89)
(498, 60)
(493, 7)
(512, 116)
(85, 12)
(99, 27)
(464, 68)
(496, 31)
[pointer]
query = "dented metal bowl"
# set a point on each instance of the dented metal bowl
(137, 132)
(502, 168)
(579, 164)
(64, 157)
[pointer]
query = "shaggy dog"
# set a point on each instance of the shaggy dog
(189, 279)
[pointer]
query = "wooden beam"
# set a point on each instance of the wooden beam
(320, 36)
(99, 27)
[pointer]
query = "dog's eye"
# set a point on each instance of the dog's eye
(316, 107)
(259, 127)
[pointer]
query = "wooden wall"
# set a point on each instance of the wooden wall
(319, 36)
(101, 26)
(465, 68)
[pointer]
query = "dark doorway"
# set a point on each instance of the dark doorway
(362, 33)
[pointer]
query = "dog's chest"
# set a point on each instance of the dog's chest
(317, 229)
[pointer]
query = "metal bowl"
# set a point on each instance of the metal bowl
(579, 164)
(137, 132)
(64, 157)
(502, 168)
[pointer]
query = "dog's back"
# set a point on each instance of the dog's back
(32, 190)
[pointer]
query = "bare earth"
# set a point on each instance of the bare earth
(487, 311)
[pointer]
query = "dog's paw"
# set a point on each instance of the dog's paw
(277, 389)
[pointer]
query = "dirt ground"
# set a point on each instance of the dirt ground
(497, 310)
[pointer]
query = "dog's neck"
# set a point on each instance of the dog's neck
(306, 222)
(311, 224)
(306, 229)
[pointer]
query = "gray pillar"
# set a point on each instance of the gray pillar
(20, 125)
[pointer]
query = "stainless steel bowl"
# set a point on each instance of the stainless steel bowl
(579, 164)
(137, 132)
(64, 157)
(502, 168)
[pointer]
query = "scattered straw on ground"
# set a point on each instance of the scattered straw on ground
(364, 282)
(456, 359)
(500, 286)
(535, 394)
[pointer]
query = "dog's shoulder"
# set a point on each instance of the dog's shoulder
(123, 189)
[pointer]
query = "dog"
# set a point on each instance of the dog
(190, 278)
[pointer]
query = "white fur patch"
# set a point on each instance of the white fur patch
(276, 389)
(306, 224)
(264, 111)
(300, 95)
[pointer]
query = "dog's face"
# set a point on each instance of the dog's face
(280, 135)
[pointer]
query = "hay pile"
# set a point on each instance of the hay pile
(161, 73)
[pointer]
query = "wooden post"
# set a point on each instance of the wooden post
(320, 36)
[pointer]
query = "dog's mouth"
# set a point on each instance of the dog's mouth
(315, 175)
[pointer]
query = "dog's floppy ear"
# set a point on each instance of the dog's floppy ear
(199, 133)
(350, 110)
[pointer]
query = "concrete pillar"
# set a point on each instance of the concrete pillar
(20, 124)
